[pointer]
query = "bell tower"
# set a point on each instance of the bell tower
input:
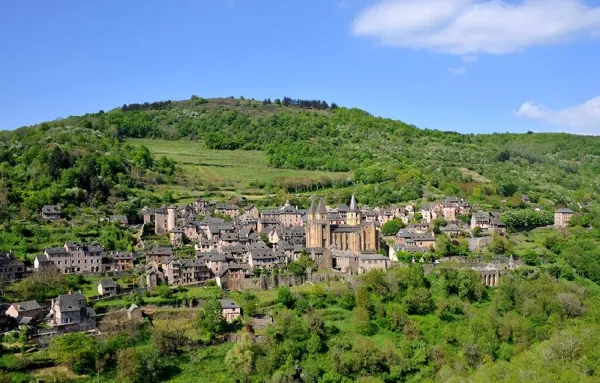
(354, 216)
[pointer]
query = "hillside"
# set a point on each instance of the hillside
(261, 148)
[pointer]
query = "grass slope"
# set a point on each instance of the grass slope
(241, 170)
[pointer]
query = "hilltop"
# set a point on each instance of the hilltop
(264, 149)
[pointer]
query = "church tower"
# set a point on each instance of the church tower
(316, 225)
(354, 216)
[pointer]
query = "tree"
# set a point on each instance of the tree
(504, 156)
(418, 301)
(240, 359)
(500, 245)
(210, 319)
(249, 304)
(396, 316)
(392, 227)
(362, 320)
(285, 297)
(138, 366)
(169, 341)
(142, 157)
(163, 291)
(76, 350)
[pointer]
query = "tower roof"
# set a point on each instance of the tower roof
(353, 205)
(321, 209)
(312, 209)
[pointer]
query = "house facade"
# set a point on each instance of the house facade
(70, 312)
(72, 258)
(562, 217)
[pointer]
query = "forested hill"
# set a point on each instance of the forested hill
(390, 161)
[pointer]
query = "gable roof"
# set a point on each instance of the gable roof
(26, 306)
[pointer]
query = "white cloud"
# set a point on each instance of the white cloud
(466, 27)
(458, 71)
(469, 59)
(583, 118)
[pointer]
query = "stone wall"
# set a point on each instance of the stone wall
(266, 282)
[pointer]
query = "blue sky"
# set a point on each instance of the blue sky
(461, 65)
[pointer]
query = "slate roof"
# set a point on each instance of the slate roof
(51, 209)
(70, 302)
(373, 257)
(26, 306)
(108, 283)
(228, 304)
(565, 210)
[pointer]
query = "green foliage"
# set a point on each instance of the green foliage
(520, 219)
(76, 350)
(285, 297)
(210, 319)
(169, 341)
(300, 266)
(41, 285)
(392, 227)
(138, 365)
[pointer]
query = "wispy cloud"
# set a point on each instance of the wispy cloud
(458, 71)
(466, 27)
(469, 59)
(583, 118)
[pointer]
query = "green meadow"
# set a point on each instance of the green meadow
(243, 171)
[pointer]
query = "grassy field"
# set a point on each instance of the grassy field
(231, 170)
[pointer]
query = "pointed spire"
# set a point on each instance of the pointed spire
(353, 203)
(321, 209)
(312, 209)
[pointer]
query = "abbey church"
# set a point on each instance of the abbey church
(353, 235)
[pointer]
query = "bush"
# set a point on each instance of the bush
(172, 341)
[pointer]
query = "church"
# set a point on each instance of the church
(353, 235)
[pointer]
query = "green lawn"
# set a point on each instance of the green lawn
(229, 169)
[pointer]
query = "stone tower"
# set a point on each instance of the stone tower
(171, 217)
(354, 216)
(316, 225)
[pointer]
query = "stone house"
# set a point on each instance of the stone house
(232, 277)
(230, 310)
(11, 269)
(118, 261)
(154, 277)
(227, 210)
(345, 261)
(322, 257)
(488, 222)
(186, 271)
(562, 217)
(206, 245)
(451, 230)
(159, 254)
(51, 212)
(287, 216)
(250, 213)
(264, 225)
(119, 219)
(70, 312)
(407, 238)
(176, 237)
(215, 262)
(263, 258)
(29, 309)
(107, 288)
(72, 258)
(368, 262)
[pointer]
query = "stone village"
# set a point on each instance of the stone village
(232, 246)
